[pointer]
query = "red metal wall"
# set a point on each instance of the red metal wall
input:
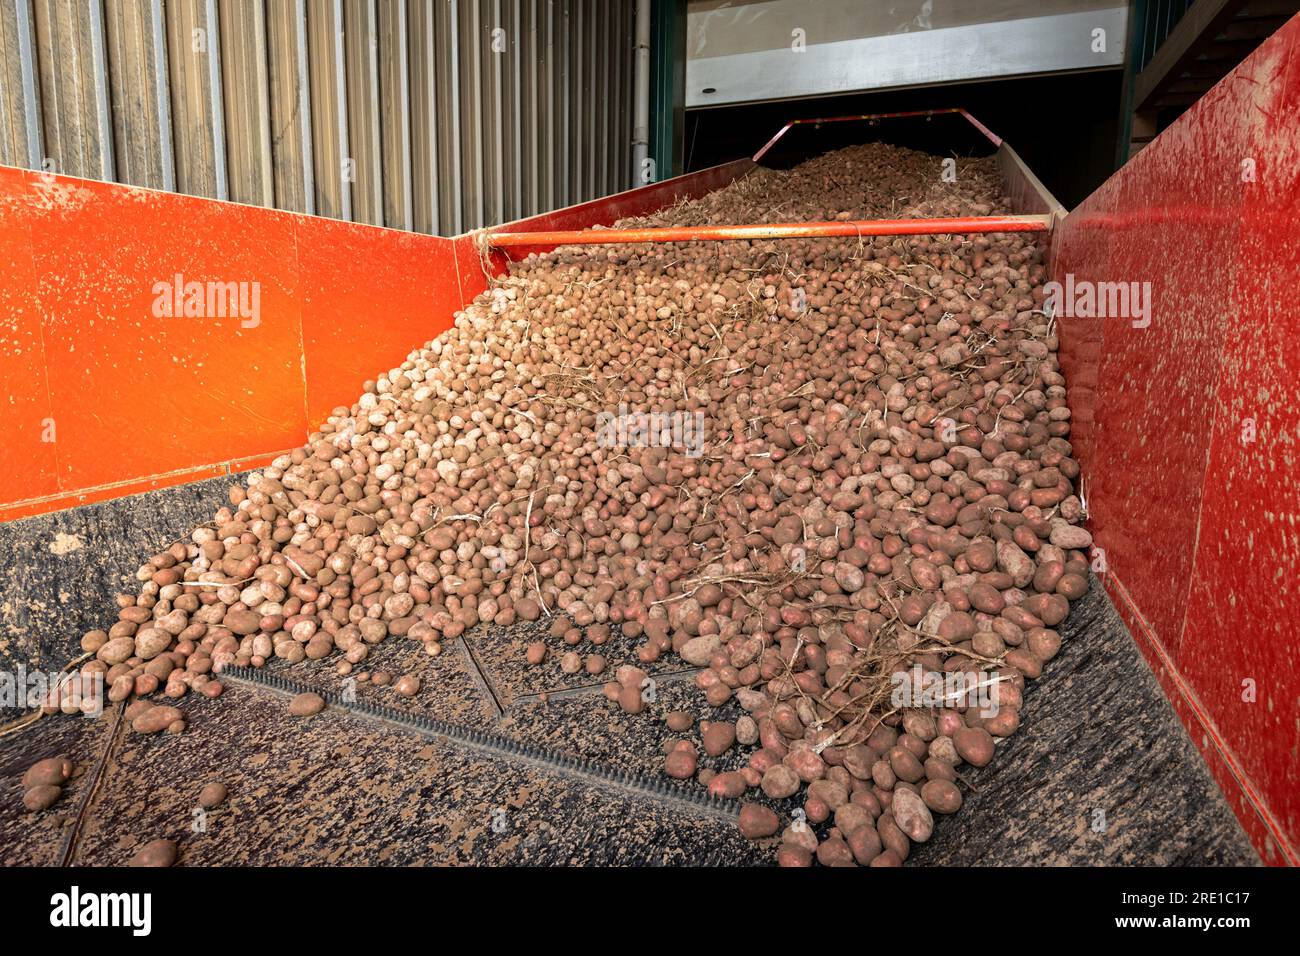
(133, 401)
(1198, 516)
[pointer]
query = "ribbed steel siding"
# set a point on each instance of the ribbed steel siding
(432, 115)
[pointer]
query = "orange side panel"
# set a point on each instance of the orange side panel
(28, 463)
(138, 400)
(133, 390)
(370, 296)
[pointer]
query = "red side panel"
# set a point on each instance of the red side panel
(1187, 428)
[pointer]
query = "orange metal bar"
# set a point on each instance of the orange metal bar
(779, 230)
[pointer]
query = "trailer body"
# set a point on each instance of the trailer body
(1185, 427)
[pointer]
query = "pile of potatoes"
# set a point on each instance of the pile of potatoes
(884, 480)
(878, 181)
(44, 781)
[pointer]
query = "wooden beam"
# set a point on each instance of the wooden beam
(1285, 9)
(1196, 30)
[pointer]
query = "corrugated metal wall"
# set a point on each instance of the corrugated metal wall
(433, 115)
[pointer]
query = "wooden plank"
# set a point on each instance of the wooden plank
(189, 47)
(472, 150)
(395, 113)
(98, 78)
(1194, 32)
(329, 109)
(69, 118)
(424, 51)
(515, 154)
(448, 65)
(362, 72)
(162, 94)
(496, 45)
(246, 96)
(21, 139)
(135, 128)
(292, 175)
(530, 69)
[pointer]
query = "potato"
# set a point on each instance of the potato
(833, 851)
(53, 771)
(1072, 586)
(718, 737)
(630, 699)
(1024, 661)
(974, 745)
(780, 782)
(905, 765)
(806, 764)
(816, 810)
(121, 688)
(858, 760)
(680, 764)
(143, 685)
(728, 785)
(150, 642)
(212, 795)
(697, 651)
(242, 621)
(892, 837)
(41, 797)
(1004, 723)
(864, 844)
(1043, 643)
(92, 641)
(679, 721)
(306, 704)
(156, 719)
(746, 730)
(757, 821)
(155, 853)
(116, 650)
(911, 815)
(941, 796)
(788, 855)
(136, 708)
(850, 816)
